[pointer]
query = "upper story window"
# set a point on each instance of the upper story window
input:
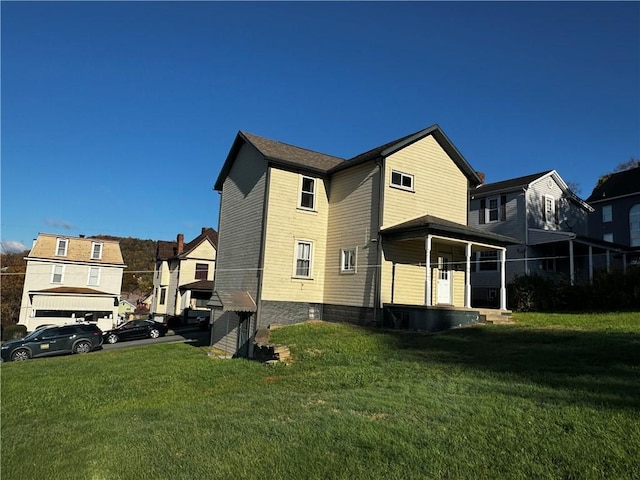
(61, 247)
(549, 209)
(57, 274)
(163, 296)
(607, 214)
(402, 180)
(307, 193)
(202, 271)
(607, 237)
(303, 259)
(94, 276)
(493, 209)
(634, 226)
(96, 251)
(348, 260)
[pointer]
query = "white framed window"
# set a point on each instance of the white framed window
(96, 251)
(57, 274)
(607, 237)
(493, 209)
(61, 247)
(304, 251)
(549, 208)
(307, 193)
(348, 260)
(607, 214)
(163, 295)
(94, 276)
(202, 271)
(402, 180)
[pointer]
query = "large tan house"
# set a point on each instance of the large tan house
(381, 238)
(183, 277)
(72, 279)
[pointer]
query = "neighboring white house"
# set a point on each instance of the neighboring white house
(72, 279)
(183, 276)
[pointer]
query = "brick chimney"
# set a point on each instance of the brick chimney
(203, 230)
(180, 243)
(482, 177)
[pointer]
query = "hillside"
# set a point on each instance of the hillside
(138, 255)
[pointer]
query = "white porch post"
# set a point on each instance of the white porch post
(503, 279)
(427, 278)
(467, 285)
(590, 265)
(571, 269)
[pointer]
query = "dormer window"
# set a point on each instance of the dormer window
(61, 247)
(96, 251)
(307, 193)
(402, 180)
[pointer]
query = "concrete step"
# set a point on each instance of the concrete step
(496, 317)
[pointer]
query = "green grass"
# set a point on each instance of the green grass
(552, 397)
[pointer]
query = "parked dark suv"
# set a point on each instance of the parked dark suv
(53, 340)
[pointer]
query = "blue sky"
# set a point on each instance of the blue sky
(117, 116)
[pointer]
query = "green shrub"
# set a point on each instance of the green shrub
(14, 331)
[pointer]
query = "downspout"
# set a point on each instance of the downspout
(526, 232)
(377, 296)
(263, 236)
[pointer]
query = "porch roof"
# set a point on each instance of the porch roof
(200, 285)
(428, 224)
(235, 301)
(540, 237)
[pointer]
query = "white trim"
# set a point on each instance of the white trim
(401, 185)
(93, 247)
(314, 193)
(99, 270)
(60, 241)
(297, 243)
(354, 265)
(61, 273)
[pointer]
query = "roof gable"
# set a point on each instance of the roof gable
(510, 184)
(278, 153)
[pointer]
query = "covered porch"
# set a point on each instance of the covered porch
(427, 263)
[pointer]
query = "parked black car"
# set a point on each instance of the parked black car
(134, 329)
(53, 340)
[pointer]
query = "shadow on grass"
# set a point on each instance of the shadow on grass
(597, 368)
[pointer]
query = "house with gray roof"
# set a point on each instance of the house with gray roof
(549, 221)
(381, 238)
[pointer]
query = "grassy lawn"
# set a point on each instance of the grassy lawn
(553, 397)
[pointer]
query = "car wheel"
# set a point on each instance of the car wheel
(112, 338)
(20, 355)
(82, 347)
(154, 333)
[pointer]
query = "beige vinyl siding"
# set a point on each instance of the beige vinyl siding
(241, 218)
(440, 187)
(78, 249)
(287, 224)
(353, 223)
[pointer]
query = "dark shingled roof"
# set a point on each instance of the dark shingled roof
(510, 184)
(431, 224)
(200, 285)
(618, 184)
(295, 157)
(75, 291)
(235, 301)
(166, 250)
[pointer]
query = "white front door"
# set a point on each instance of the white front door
(444, 279)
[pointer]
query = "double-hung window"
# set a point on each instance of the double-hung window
(402, 180)
(61, 247)
(307, 193)
(202, 270)
(549, 208)
(488, 260)
(303, 259)
(57, 274)
(348, 260)
(96, 251)
(607, 214)
(94, 276)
